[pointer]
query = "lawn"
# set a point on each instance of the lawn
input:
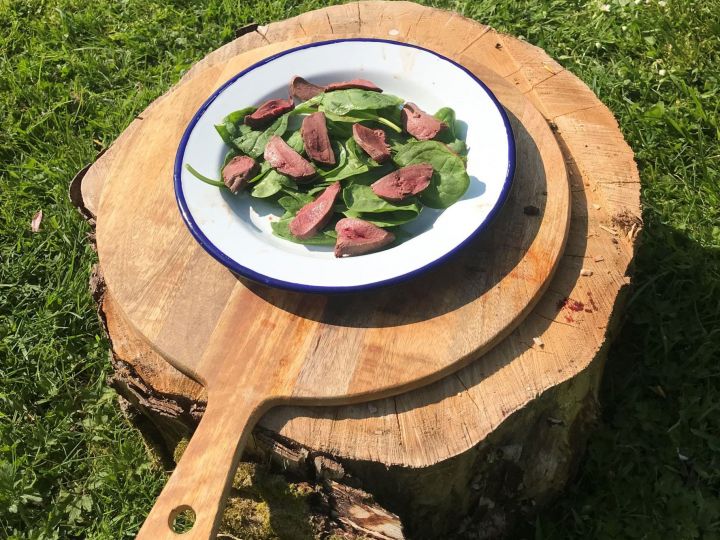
(74, 73)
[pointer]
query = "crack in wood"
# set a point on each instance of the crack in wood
(474, 41)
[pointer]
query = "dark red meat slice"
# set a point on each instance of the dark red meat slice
(313, 216)
(316, 140)
(269, 111)
(362, 84)
(372, 141)
(420, 124)
(238, 171)
(404, 182)
(356, 236)
(304, 90)
(287, 161)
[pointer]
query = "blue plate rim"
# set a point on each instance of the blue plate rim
(233, 265)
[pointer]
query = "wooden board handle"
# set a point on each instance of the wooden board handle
(203, 477)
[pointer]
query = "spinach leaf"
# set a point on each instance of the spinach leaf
(341, 102)
(459, 147)
(272, 182)
(449, 135)
(232, 125)
(341, 157)
(340, 129)
(357, 162)
(370, 176)
(308, 106)
(385, 219)
(317, 188)
(447, 115)
(281, 229)
(295, 142)
(360, 198)
(292, 202)
(450, 179)
(252, 142)
(361, 116)
(358, 155)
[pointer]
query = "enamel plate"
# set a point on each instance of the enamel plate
(235, 229)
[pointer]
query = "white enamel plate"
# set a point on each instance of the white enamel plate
(235, 229)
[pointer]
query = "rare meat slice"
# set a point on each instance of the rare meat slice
(238, 171)
(287, 161)
(304, 90)
(269, 111)
(420, 124)
(316, 140)
(313, 216)
(356, 236)
(362, 84)
(404, 182)
(372, 141)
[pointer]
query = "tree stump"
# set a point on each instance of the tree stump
(473, 452)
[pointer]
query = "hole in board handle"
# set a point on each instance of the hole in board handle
(181, 519)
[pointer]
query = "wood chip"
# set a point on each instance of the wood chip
(608, 229)
(538, 342)
(598, 258)
(597, 206)
(586, 272)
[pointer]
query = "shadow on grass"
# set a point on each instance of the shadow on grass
(653, 464)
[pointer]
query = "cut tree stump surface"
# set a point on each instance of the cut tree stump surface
(562, 337)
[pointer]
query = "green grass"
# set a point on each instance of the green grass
(74, 73)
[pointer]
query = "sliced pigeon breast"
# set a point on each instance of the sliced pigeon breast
(314, 216)
(404, 182)
(269, 111)
(304, 89)
(287, 161)
(316, 139)
(357, 237)
(372, 141)
(420, 124)
(362, 84)
(238, 171)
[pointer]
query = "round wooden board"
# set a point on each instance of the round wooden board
(442, 420)
(210, 324)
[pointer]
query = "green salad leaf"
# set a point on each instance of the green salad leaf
(362, 203)
(449, 135)
(341, 102)
(362, 116)
(295, 142)
(292, 202)
(252, 142)
(362, 199)
(450, 179)
(270, 184)
(230, 128)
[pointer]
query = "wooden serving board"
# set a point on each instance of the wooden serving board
(253, 347)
